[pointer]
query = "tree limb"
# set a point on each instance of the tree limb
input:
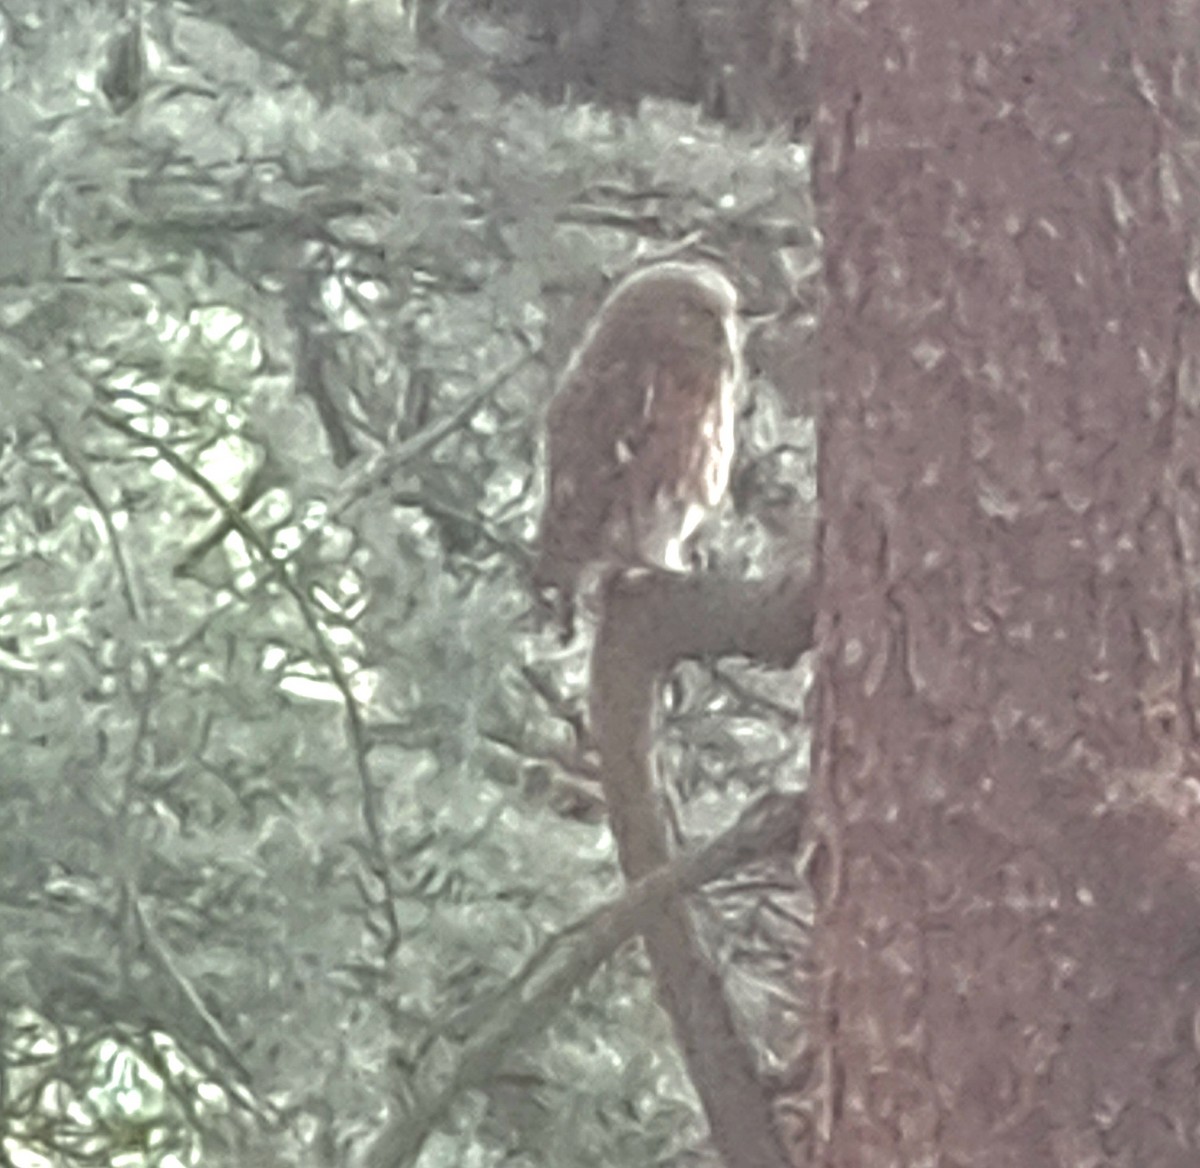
(650, 621)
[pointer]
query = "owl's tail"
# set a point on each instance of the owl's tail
(555, 581)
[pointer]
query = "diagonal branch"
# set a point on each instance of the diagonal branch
(326, 653)
(534, 997)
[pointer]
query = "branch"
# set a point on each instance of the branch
(377, 851)
(78, 466)
(361, 483)
(529, 1003)
(650, 621)
(672, 617)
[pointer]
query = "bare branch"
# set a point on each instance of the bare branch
(650, 621)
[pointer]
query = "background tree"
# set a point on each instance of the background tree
(299, 809)
(1007, 856)
(744, 62)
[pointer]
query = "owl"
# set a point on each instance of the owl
(640, 433)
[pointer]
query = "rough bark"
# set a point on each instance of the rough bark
(1007, 770)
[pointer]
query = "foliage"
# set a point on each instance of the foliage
(292, 780)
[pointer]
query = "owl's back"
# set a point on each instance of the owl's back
(640, 432)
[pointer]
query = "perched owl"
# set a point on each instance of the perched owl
(640, 432)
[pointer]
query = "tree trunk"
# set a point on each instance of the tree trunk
(1007, 774)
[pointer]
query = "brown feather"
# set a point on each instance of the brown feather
(640, 432)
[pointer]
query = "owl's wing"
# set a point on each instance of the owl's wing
(596, 434)
(600, 424)
(675, 432)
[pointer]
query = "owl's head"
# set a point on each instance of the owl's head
(694, 305)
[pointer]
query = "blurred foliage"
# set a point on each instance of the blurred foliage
(290, 781)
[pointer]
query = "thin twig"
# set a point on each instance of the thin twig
(325, 653)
